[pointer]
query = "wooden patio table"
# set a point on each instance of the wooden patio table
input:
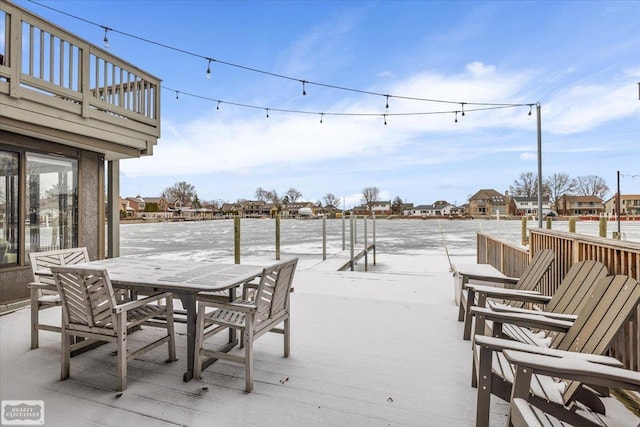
(184, 278)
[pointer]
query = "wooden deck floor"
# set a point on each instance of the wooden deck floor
(368, 349)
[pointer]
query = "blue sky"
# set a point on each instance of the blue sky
(579, 60)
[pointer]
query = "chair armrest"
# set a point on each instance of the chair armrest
(565, 366)
(511, 294)
(246, 287)
(493, 279)
(536, 321)
(130, 305)
(238, 305)
(499, 344)
(45, 286)
(509, 309)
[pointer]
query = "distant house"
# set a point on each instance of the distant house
(527, 206)
(579, 205)
(488, 202)
(292, 210)
(629, 205)
(380, 208)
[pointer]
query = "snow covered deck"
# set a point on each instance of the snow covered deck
(367, 349)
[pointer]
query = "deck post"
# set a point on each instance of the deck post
(374, 238)
(278, 237)
(113, 209)
(236, 239)
(324, 238)
(366, 258)
(352, 231)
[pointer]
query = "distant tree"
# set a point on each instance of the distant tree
(262, 194)
(331, 200)
(273, 197)
(370, 195)
(591, 185)
(558, 185)
(526, 185)
(397, 206)
(293, 195)
(196, 202)
(182, 191)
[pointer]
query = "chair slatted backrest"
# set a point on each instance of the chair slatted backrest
(610, 305)
(48, 259)
(536, 269)
(87, 298)
(576, 287)
(272, 296)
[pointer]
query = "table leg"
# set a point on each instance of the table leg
(189, 304)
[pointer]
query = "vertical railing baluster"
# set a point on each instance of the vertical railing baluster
(41, 76)
(31, 29)
(52, 61)
(61, 63)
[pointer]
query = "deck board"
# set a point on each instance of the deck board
(367, 349)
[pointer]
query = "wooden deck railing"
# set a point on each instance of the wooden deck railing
(620, 257)
(45, 63)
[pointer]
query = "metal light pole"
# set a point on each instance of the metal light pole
(539, 165)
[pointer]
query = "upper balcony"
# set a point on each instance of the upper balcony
(58, 87)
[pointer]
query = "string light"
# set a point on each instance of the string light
(218, 106)
(304, 90)
(462, 104)
(282, 76)
(456, 120)
(530, 108)
(105, 41)
(344, 114)
(385, 119)
(387, 105)
(209, 68)
(177, 97)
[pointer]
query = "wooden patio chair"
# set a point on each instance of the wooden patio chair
(523, 413)
(609, 306)
(528, 282)
(565, 304)
(90, 310)
(253, 317)
(43, 291)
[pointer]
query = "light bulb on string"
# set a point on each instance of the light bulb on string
(462, 104)
(387, 105)
(385, 119)
(456, 120)
(218, 106)
(209, 68)
(105, 41)
(304, 90)
(267, 110)
(177, 97)
(530, 108)
(321, 117)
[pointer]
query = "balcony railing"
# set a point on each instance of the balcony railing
(46, 64)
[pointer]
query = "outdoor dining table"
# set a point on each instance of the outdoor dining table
(184, 278)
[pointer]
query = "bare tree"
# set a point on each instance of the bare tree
(273, 197)
(331, 200)
(180, 190)
(525, 186)
(559, 184)
(370, 195)
(293, 195)
(592, 185)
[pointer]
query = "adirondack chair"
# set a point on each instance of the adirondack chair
(563, 365)
(611, 303)
(253, 317)
(90, 310)
(531, 277)
(565, 304)
(43, 291)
